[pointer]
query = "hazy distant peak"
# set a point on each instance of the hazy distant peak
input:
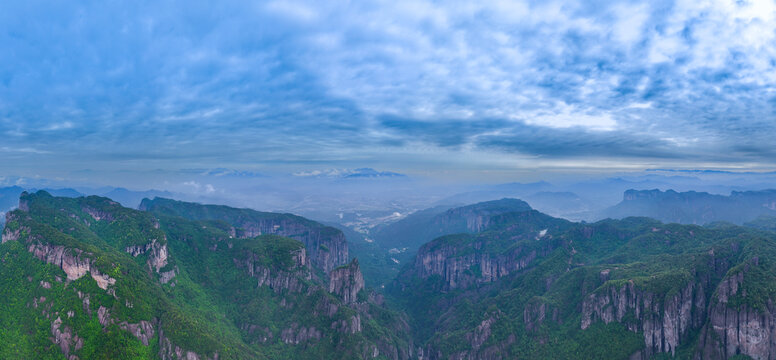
(501, 205)
(225, 172)
(349, 173)
(693, 207)
(659, 194)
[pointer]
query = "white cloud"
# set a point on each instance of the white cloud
(59, 126)
(26, 150)
(293, 10)
(313, 79)
(629, 26)
(199, 188)
(567, 116)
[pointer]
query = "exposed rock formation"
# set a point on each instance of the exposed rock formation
(459, 271)
(743, 330)
(74, 262)
(170, 351)
(143, 330)
(346, 281)
(166, 276)
(665, 322)
(97, 214)
(157, 257)
(535, 313)
(326, 246)
(277, 279)
(296, 334)
(351, 326)
(8, 234)
(66, 338)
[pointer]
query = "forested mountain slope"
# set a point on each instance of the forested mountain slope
(532, 286)
(85, 278)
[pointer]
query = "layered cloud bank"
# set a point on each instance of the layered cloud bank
(404, 85)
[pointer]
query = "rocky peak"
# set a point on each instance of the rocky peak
(732, 330)
(326, 246)
(346, 281)
(157, 257)
(24, 204)
(477, 217)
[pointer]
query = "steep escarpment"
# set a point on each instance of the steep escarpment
(291, 275)
(326, 246)
(395, 244)
(86, 278)
(269, 290)
(423, 226)
(665, 321)
(695, 207)
(633, 288)
(459, 268)
(346, 282)
(462, 260)
(97, 300)
(736, 324)
(475, 218)
(90, 279)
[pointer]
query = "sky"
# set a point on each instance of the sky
(478, 90)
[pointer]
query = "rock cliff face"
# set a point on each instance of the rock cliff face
(296, 334)
(143, 330)
(665, 321)
(128, 253)
(157, 257)
(695, 207)
(277, 279)
(477, 217)
(8, 234)
(74, 262)
(536, 313)
(726, 330)
(737, 330)
(460, 271)
(326, 246)
(346, 282)
(98, 215)
(67, 340)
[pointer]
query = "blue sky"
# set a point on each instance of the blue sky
(499, 89)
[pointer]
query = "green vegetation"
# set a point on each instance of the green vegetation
(567, 264)
(242, 298)
(523, 287)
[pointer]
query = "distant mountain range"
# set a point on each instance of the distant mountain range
(9, 196)
(395, 244)
(695, 207)
(132, 199)
(350, 173)
(530, 286)
(87, 278)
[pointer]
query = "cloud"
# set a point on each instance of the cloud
(198, 188)
(343, 84)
